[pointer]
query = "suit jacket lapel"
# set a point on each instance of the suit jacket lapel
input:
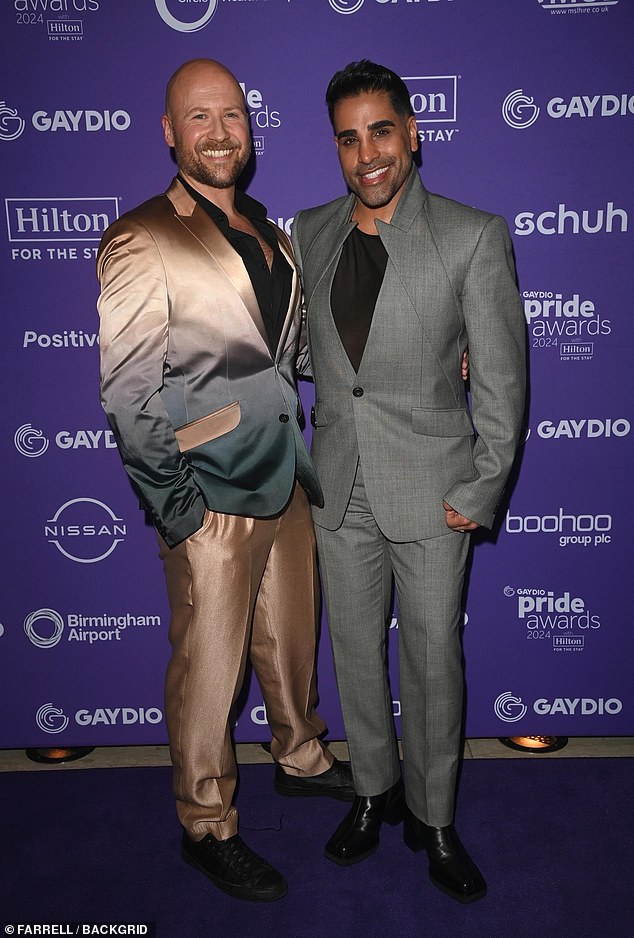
(328, 242)
(412, 249)
(287, 251)
(327, 247)
(194, 218)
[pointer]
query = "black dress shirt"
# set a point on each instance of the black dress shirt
(272, 287)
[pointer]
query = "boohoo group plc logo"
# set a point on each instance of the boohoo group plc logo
(519, 110)
(346, 6)
(29, 441)
(11, 124)
(85, 530)
(509, 708)
(44, 636)
(186, 26)
(51, 719)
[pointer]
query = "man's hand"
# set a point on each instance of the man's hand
(456, 521)
(464, 365)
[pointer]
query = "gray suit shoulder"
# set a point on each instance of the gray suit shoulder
(444, 211)
(312, 220)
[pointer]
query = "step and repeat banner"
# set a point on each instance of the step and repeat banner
(524, 108)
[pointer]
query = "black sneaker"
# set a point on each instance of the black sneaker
(234, 868)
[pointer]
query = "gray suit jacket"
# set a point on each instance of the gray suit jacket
(204, 415)
(449, 283)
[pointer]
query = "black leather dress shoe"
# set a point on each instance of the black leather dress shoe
(335, 782)
(451, 868)
(234, 868)
(358, 834)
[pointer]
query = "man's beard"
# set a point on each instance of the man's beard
(222, 177)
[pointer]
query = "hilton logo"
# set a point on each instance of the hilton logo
(568, 642)
(576, 351)
(71, 219)
(64, 28)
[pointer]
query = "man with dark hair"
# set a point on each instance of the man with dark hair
(200, 318)
(398, 282)
(368, 78)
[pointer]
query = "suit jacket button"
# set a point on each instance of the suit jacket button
(283, 418)
(357, 392)
(313, 418)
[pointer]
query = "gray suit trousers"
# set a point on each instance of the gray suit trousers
(429, 577)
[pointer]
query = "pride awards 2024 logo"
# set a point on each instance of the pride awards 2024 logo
(556, 619)
(566, 323)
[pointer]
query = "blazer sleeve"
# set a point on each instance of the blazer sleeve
(134, 328)
(496, 330)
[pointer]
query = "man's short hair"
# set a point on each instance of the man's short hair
(366, 77)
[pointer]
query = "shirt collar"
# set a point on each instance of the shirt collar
(245, 205)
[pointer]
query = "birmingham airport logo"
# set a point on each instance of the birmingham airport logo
(44, 627)
(11, 124)
(72, 219)
(85, 530)
(186, 26)
(47, 636)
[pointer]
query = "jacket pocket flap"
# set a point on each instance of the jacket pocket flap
(455, 422)
(209, 427)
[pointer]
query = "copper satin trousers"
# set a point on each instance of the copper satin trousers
(240, 586)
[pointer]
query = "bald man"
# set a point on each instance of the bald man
(200, 321)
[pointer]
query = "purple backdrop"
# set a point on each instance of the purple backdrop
(525, 109)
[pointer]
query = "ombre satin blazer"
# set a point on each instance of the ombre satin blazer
(204, 415)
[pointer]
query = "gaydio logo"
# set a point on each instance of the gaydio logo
(520, 111)
(509, 708)
(11, 124)
(52, 719)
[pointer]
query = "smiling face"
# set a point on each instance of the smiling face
(375, 147)
(207, 125)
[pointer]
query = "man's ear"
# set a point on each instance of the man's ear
(167, 130)
(412, 130)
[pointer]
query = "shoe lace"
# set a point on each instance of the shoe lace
(241, 858)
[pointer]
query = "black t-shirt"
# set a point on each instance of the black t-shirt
(355, 289)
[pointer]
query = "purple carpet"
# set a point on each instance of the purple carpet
(553, 838)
